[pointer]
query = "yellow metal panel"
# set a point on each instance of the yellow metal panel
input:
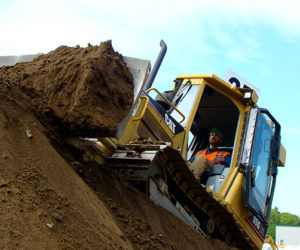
(177, 140)
(282, 156)
(236, 199)
(130, 132)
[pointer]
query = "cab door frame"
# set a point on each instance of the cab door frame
(250, 161)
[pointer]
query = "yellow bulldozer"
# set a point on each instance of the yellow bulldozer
(164, 131)
(156, 141)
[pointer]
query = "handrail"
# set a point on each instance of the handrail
(144, 108)
(171, 104)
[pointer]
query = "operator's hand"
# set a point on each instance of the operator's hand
(220, 157)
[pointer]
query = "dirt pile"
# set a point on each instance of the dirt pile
(51, 200)
(86, 90)
(44, 203)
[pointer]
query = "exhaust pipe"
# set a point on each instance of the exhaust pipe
(156, 66)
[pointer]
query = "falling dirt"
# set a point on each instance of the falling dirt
(87, 90)
(49, 198)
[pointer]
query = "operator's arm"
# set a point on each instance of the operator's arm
(227, 160)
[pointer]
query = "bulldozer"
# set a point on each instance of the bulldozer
(155, 143)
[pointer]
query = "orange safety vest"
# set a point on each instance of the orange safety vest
(212, 157)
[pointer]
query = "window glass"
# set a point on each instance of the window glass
(184, 101)
(261, 163)
(190, 145)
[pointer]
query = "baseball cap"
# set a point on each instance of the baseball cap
(216, 130)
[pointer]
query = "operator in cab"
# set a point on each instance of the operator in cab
(205, 159)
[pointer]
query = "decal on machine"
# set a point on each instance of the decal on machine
(240, 82)
(258, 227)
(170, 123)
(256, 223)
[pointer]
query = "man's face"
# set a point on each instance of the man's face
(215, 139)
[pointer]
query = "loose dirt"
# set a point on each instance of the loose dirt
(86, 90)
(49, 199)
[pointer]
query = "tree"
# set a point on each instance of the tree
(277, 218)
(274, 220)
(288, 219)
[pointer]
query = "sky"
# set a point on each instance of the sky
(259, 40)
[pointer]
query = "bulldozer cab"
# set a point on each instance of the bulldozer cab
(203, 107)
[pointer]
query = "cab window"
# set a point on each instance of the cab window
(215, 109)
(261, 164)
(184, 100)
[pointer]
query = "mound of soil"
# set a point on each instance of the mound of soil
(51, 200)
(86, 90)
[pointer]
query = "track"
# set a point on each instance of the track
(204, 199)
(133, 163)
